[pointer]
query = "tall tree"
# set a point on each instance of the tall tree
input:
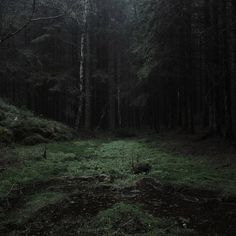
(83, 72)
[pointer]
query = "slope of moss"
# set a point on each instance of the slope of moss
(24, 127)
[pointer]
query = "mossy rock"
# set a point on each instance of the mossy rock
(20, 132)
(23, 125)
(6, 136)
(34, 139)
(24, 130)
(46, 132)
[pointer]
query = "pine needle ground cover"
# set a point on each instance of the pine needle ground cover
(88, 187)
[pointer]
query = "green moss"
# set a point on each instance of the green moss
(115, 158)
(127, 219)
(22, 124)
(35, 139)
(32, 170)
(34, 203)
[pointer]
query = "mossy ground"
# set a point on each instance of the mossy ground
(22, 126)
(111, 157)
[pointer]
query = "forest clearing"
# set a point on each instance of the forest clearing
(96, 185)
(117, 117)
(87, 187)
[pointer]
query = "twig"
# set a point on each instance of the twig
(9, 194)
(11, 189)
(47, 18)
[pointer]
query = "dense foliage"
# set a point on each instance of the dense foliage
(187, 52)
(118, 64)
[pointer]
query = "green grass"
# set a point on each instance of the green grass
(34, 203)
(29, 208)
(114, 158)
(128, 219)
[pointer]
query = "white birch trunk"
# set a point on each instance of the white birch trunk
(119, 90)
(82, 69)
(87, 83)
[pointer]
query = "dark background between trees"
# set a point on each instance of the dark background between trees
(160, 64)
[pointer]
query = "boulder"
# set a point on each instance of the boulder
(34, 139)
(46, 132)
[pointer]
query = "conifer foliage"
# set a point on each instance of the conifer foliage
(122, 63)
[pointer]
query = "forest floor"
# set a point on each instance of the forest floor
(87, 187)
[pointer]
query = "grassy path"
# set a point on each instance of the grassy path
(99, 171)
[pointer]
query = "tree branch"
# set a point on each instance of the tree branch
(47, 18)
(23, 27)
(28, 22)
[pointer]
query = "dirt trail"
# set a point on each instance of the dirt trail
(203, 211)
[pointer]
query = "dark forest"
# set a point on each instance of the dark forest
(118, 117)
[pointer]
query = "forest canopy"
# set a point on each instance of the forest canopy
(108, 64)
(118, 117)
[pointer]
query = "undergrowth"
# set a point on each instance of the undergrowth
(113, 158)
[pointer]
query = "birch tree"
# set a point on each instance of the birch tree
(82, 75)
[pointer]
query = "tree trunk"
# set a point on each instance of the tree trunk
(111, 86)
(80, 83)
(82, 75)
(87, 82)
(227, 73)
(234, 60)
(119, 91)
(216, 64)
(206, 60)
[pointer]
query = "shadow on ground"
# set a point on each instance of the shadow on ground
(90, 208)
